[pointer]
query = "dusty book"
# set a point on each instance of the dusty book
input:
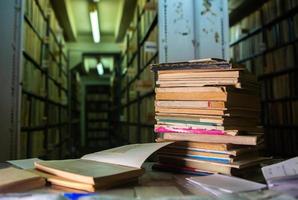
(19, 180)
(113, 166)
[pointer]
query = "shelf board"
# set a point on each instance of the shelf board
(149, 30)
(41, 10)
(277, 73)
(98, 129)
(244, 10)
(246, 36)
(284, 99)
(33, 28)
(138, 124)
(34, 62)
(281, 126)
(33, 128)
(139, 98)
(98, 138)
(54, 36)
(97, 120)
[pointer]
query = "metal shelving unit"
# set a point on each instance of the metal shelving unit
(133, 106)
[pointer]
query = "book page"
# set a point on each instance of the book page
(226, 183)
(132, 155)
(24, 163)
(281, 170)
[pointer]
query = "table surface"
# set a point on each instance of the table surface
(156, 184)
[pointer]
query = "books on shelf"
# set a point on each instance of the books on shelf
(35, 16)
(41, 68)
(274, 63)
(99, 170)
(32, 43)
(211, 113)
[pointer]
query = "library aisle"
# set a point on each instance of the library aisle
(82, 76)
(85, 78)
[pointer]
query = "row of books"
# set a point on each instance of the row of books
(142, 20)
(44, 5)
(148, 16)
(275, 8)
(23, 144)
(255, 65)
(147, 108)
(253, 45)
(53, 114)
(37, 147)
(25, 105)
(33, 79)
(246, 25)
(97, 97)
(54, 24)
(280, 59)
(54, 46)
(282, 86)
(280, 33)
(295, 25)
(97, 116)
(53, 91)
(53, 69)
(32, 44)
(281, 113)
(53, 137)
(211, 111)
(98, 124)
(149, 49)
(34, 15)
(147, 134)
(32, 112)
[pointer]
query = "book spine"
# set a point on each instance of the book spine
(163, 129)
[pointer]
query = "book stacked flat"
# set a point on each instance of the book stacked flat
(213, 111)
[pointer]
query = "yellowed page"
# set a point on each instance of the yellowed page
(132, 155)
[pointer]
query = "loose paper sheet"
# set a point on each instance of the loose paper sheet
(282, 169)
(226, 183)
(132, 155)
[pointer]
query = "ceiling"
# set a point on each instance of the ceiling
(110, 12)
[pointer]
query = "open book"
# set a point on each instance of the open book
(101, 169)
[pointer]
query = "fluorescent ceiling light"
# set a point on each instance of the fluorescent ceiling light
(95, 25)
(100, 70)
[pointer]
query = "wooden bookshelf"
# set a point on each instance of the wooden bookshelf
(44, 101)
(266, 42)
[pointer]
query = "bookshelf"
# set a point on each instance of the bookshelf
(44, 78)
(74, 106)
(135, 79)
(97, 117)
(266, 42)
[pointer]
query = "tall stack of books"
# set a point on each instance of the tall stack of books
(212, 110)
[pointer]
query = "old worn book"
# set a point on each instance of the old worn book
(217, 105)
(203, 119)
(101, 169)
(204, 94)
(203, 64)
(238, 139)
(214, 148)
(209, 166)
(19, 180)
